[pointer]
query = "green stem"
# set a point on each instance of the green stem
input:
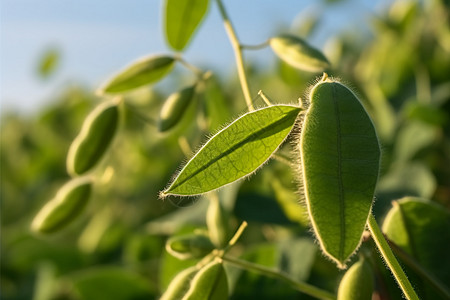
(423, 273)
(300, 286)
(198, 72)
(390, 259)
(255, 47)
(238, 54)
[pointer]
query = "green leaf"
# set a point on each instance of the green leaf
(210, 283)
(94, 139)
(235, 151)
(299, 54)
(340, 158)
(67, 205)
(111, 283)
(141, 72)
(49, 62)
(412, 179)
(180, 284)
(420, 228)
(182, 19)
(174, 108)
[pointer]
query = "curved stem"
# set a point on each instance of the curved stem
(300, 286)
(238, 54)
(390, 259)
(255, 47)
(198, 72)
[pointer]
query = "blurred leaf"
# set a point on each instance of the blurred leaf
(426, 113)
(210, 283)
(216, 105)
(180, 284)
(412, 179)
(420, 228)
(289, 203)
(174, 108)
(111, 283)
(289, 262)
(248, 207)
(413, 137)
(145, 71)
(251, 285)
(182, 18)
(235, 151)
(296, 52)
(49, 62)
(45, 282)
(94, 139)
(65, 207)
(170, 265)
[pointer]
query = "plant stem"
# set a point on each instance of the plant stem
(237, 53)
(255, 47)
(390, 259)
(300, 286)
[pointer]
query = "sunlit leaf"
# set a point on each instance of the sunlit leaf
(141, 72)
(182, 18)
(340, 158)
(235, 151)
(299, 54)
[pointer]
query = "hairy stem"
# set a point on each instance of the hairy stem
(300, 286)
(237, 53)
(390, 259)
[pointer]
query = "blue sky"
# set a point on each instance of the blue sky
(97, 38)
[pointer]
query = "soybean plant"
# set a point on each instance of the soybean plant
(336, 158)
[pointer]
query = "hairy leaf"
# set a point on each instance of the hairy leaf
(340, 158)
(182, 19)
(235, 151)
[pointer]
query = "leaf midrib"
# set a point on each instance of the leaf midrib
(339, 166)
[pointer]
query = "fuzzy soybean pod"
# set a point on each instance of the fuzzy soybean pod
(340, 157)
(357, 283)
(65, 207)
(94, 139)
(179, 286)
(174, 108)
(210, 283)
(217, 222)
